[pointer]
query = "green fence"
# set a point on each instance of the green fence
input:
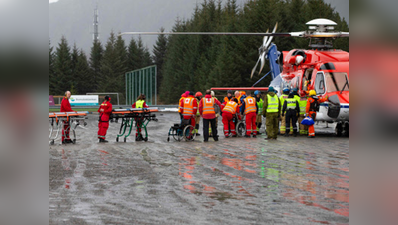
(141, 81)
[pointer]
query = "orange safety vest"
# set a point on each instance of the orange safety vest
(188, 106)
(179, 107)
(250, 105)
(208, 106)
(230, 107)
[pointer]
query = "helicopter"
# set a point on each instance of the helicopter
(320, 68)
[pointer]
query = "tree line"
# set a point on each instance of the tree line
(103, 71)
(192, 62)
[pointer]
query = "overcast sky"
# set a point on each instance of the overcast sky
(342, 6)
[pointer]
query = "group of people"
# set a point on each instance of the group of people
(289, 109)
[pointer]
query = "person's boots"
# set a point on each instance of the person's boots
(102, 140)
(295, 133)
(287, 133)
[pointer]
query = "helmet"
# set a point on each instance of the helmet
(312, 93)
(212, 93)
(271, 89)
(257, 93)
(108, 98)
(295, 89)
(229, 92)
(198, 94)
(286, 90)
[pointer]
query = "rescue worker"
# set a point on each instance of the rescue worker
(105, 111)
(218, 112)
(237, 96)
(184, 95)
(139, 104)
(303, 129)
(65, 107)
(208, 113)
(285, 94)
(260, 104)
(271, 111)
(229, 97)
(292, 109)
(198, 97)
(311, 109)
(229, 112)
(189, 108)
(250, 109)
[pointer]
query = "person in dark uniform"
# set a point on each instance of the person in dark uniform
(292, 109)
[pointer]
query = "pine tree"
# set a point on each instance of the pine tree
(52, 79)
(74, 59)
(132, 55)
(95, 63)
(83, 81)
(159, 52)
(63, 67)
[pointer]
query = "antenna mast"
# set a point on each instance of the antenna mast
(96, 21)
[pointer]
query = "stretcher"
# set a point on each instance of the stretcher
(141, 117)
(57, 120)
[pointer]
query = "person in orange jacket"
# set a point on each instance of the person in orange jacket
(183, 96)
(229, 97)
(250, 109)
(189, 108)
(65, 107)
(208, 113)
(229, 111)
(312, 107)
(105, 111)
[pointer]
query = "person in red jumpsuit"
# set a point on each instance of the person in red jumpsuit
(189, 107)
(65, 107)
(105, 111)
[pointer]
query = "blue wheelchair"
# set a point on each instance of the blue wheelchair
(182, 131)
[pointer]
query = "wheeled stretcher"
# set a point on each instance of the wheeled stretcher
(141, 117)
(57, 120)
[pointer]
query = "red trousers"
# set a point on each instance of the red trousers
(102, 128)
(311, 129)
(65, 131)
(193, 122)
(251, 123)
(227, 120)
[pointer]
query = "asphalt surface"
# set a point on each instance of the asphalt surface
(294, 180)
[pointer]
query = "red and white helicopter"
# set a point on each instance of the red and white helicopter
(321, 68)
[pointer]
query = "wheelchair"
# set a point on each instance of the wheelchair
(183, 131)
(240, 127)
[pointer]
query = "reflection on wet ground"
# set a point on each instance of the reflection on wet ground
(233, 181)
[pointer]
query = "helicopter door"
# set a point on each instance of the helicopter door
(334, 106)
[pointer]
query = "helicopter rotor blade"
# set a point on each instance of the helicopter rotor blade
(273, 31)
(255, 67)
(262, 57)
(265, 39)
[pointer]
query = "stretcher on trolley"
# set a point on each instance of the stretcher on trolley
(141, 117)
(67, 121)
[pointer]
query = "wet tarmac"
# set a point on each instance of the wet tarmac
(293, 180)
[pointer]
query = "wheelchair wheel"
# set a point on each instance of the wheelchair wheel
(177, 134)
(189, 133)
(241, 129)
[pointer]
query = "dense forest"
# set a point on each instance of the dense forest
(192, 62)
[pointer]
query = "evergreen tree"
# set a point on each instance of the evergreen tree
(113, 66)
(132, 55)
(74, 60)
(95, 64)
(83, 79)
(63, 67)
(52, 79)
(159, 52)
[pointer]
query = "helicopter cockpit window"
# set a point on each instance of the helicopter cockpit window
(320, 84)
(337, 82)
